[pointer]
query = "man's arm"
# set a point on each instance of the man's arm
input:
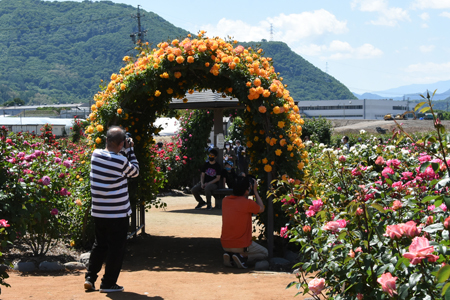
(202, 180)
(258, 198)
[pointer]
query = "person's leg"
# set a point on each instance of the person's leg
(257, 252)
(99, 250)
(208, 191)
(196, 192)
(116, 239)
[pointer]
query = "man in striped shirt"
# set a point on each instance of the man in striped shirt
(110, 169)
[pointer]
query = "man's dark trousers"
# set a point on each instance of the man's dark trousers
(110, 242)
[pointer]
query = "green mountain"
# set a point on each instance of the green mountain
(304, 80)
(54, 52)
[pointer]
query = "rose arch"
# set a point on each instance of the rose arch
(145, 86)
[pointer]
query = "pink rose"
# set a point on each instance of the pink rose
(332, 226)
(387, 282)
(379, 161)
(4, 223)
(394, 231)
(359, 249)
(447, 222)
(342, 158)
(359, 211)
(396, 204)
(342, 223)
(410, 229)
(316, 285)
(419, 249)
(393, 163)
(351, 253)
(54, 212)
(283, 232)
(310, 213)
(359, 296)
(386, 172)
(239, 49)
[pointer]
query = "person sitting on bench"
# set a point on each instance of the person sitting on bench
(209, 180)
(229, 175)
(236, 238)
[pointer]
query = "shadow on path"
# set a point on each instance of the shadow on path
(168, 253)
(133, 296)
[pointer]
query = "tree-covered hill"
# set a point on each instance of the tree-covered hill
(304, 80)
(54, 52)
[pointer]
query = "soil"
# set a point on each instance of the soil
(354, 126)
(179, 257)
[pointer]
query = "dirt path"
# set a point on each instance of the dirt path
(181, 258)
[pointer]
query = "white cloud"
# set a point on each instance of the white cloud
(445, 14)
(287, 28)
(338, 50)
(441, 71)
(387, 16)
(434, 4)
(425, 49)
(424, 16)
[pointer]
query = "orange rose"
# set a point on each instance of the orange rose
(180, 59)
(98, 140)
(123, 86)
(190, 59)
(257, 82)
(177, 74)
(157, 93)
(268, 168)
(262, 109)
(171, 57)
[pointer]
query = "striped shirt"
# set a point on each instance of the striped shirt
(109, 186)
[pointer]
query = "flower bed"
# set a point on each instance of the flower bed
(372, 222)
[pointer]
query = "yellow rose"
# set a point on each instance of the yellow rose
(280, 124)
(278, 152)
(157, 93)
(98, 140)
(99, 128)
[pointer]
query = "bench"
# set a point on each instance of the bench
(381, 130)
(218, 195)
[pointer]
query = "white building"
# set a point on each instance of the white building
(61, 127)
(353, 109)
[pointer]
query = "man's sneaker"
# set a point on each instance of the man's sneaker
(89, 286)
(200, 205)
(114, 288)
(209, 207)
(227, 262)
(239, 261)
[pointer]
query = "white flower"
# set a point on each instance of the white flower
(362, 131)
(327, 150)
(363, 147)
(404, 151)
(321, 145)
(390, 147)
(308, 143)
(352, 148)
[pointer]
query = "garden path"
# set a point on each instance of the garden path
(181, 258)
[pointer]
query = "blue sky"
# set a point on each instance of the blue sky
(368, 45)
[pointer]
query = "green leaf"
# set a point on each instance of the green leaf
(419, 105)
(435, 167)
(403, 291)
(444, 182)
(429, 198)
(433, 228)
(378, 207)
(445, 289)
(414, 278)
(338, 247)
(291, 284)
(424, 166)
(443, 274)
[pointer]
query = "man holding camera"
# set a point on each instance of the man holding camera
(110, 169)
(236, 237)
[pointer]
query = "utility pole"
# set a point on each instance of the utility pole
(271, 32)
(140, 34)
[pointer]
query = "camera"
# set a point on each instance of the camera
(251, 180)
(127, 138)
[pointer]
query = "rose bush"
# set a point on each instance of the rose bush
(44, 188)
(382, 230)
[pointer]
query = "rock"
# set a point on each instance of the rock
(51, 266)
(262, 265)
(279, 261)
(279, 264)
(25, 266)
(291, 256)
(75, 265)
(84, 258)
